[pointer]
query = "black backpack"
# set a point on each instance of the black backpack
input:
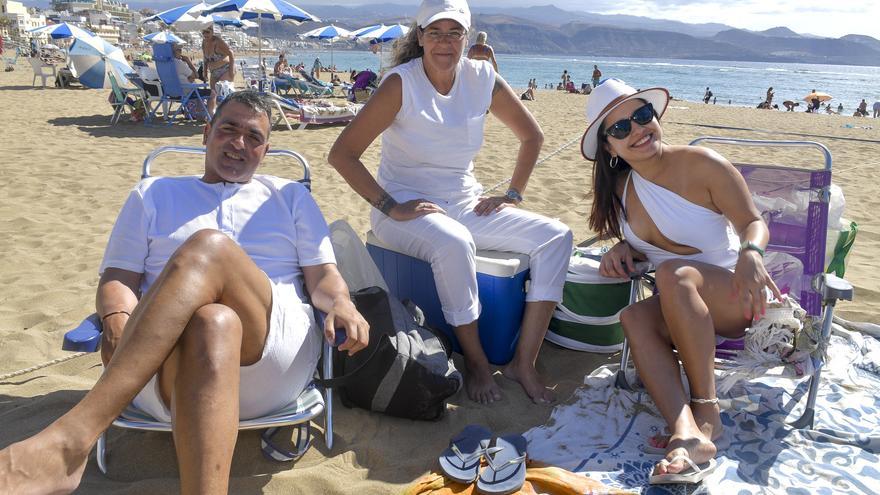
(405, 371)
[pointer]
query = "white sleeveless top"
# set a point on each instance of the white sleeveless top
(682, 222)
(428, 150)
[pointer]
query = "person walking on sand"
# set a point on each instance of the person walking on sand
(482, 51)
(430, 111)
(688, 211)
(707, 95)
(597, 75)
(203, 314)
(769, 98)
(219, 62)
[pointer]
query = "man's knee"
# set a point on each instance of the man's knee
(211, 340)
(205, 248)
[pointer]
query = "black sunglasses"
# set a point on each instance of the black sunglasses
(621, 129)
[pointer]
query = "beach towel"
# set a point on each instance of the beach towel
(599, 432)
(540, 479)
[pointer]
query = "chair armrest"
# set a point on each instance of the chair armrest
(832, 288)
(84, 338)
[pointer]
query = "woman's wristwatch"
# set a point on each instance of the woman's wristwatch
(749, 245)
(513, 195)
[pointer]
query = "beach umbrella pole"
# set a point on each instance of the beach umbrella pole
(260, 42)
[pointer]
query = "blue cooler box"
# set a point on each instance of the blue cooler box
(501, 280)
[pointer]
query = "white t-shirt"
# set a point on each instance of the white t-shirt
(183, 71)
(429, 148)
(276, 221)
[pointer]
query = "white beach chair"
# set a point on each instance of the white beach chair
(41, 70)
(309, 405)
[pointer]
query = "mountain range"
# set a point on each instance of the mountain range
(549, 30)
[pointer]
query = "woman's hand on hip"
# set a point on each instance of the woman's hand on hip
(749, 279)
(618, 262)
(414, 209)
(492, 204)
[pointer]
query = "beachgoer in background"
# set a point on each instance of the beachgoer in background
(714, 99)
(863, 108)
(218, 335)
(815, 101)
(680, 204)
(597, 75)
(482, 51)
(528, 94)
(186, 71)
(219, 62)
(830, 111)
(876, 108)
(427, 202)
(316, 68)
(770, 94)
(564, 77)
(707, 96)
(839, 107)
(281, 68)
(789, 105)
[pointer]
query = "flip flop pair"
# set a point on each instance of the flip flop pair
(505, 470)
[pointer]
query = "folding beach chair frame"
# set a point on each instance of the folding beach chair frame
(172, 90)
(120, 96)
(827, 289)
(310, 404)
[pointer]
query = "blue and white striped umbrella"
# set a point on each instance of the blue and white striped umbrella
(385, 33)
(184, 16)
(267, 9)
(91, 59)
(329, 32)
(357, 33)
(160, 37)
(63, 30)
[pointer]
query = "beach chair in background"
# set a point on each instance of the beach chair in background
(310, 404)
(42, 70)
(794, 203)
(315, 112)
(308, 86)
(173, 92)
(151, 94)
(10, 62)
(123, 98)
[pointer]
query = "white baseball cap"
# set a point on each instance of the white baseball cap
(608, 96)
(435, 10)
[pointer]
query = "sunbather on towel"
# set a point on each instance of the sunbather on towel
(430, 110)
(688, 211)
(220, 331)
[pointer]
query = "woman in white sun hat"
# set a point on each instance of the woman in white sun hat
(688, 211)
(430, 110)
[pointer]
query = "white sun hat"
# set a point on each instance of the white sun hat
(608, 96)
(435, 10)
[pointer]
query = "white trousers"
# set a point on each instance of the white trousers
(449, 242)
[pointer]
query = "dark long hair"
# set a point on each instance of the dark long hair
(607, 206)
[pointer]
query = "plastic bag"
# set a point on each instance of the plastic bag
(352, 259)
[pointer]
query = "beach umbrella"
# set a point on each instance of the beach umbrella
(385, 33)
(228, 21)
(263, 9)
(329, 33)
(160, 37)
(818, 94)
(63, 30)
(186, 17)
(91, 59)
(359, 32)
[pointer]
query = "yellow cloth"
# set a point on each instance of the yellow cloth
(539, 480)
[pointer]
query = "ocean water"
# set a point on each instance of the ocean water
(734, 83)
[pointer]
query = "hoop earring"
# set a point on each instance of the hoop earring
(613, 162)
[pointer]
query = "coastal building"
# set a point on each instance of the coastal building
(19, 20)
(115, 8)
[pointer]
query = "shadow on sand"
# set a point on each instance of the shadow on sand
(99, 126)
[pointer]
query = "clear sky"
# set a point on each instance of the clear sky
(832, 18)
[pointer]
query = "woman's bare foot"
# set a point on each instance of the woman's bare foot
(528, 378)
(697, 447)
(706, 416)
(479, 384)
(46, 463)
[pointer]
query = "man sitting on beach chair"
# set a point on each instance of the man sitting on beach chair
(221, 330)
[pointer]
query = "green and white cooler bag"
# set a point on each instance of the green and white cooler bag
(588, 318)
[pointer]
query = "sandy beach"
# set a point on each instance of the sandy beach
(66, 172)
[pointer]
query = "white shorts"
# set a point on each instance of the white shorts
(285, 368)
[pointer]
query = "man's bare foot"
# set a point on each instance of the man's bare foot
(479, 384)
(43, 464)
(528, 378)
(694, 445)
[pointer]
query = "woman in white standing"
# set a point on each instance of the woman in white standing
(430, 111)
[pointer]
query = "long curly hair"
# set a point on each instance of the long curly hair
(407, 48)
